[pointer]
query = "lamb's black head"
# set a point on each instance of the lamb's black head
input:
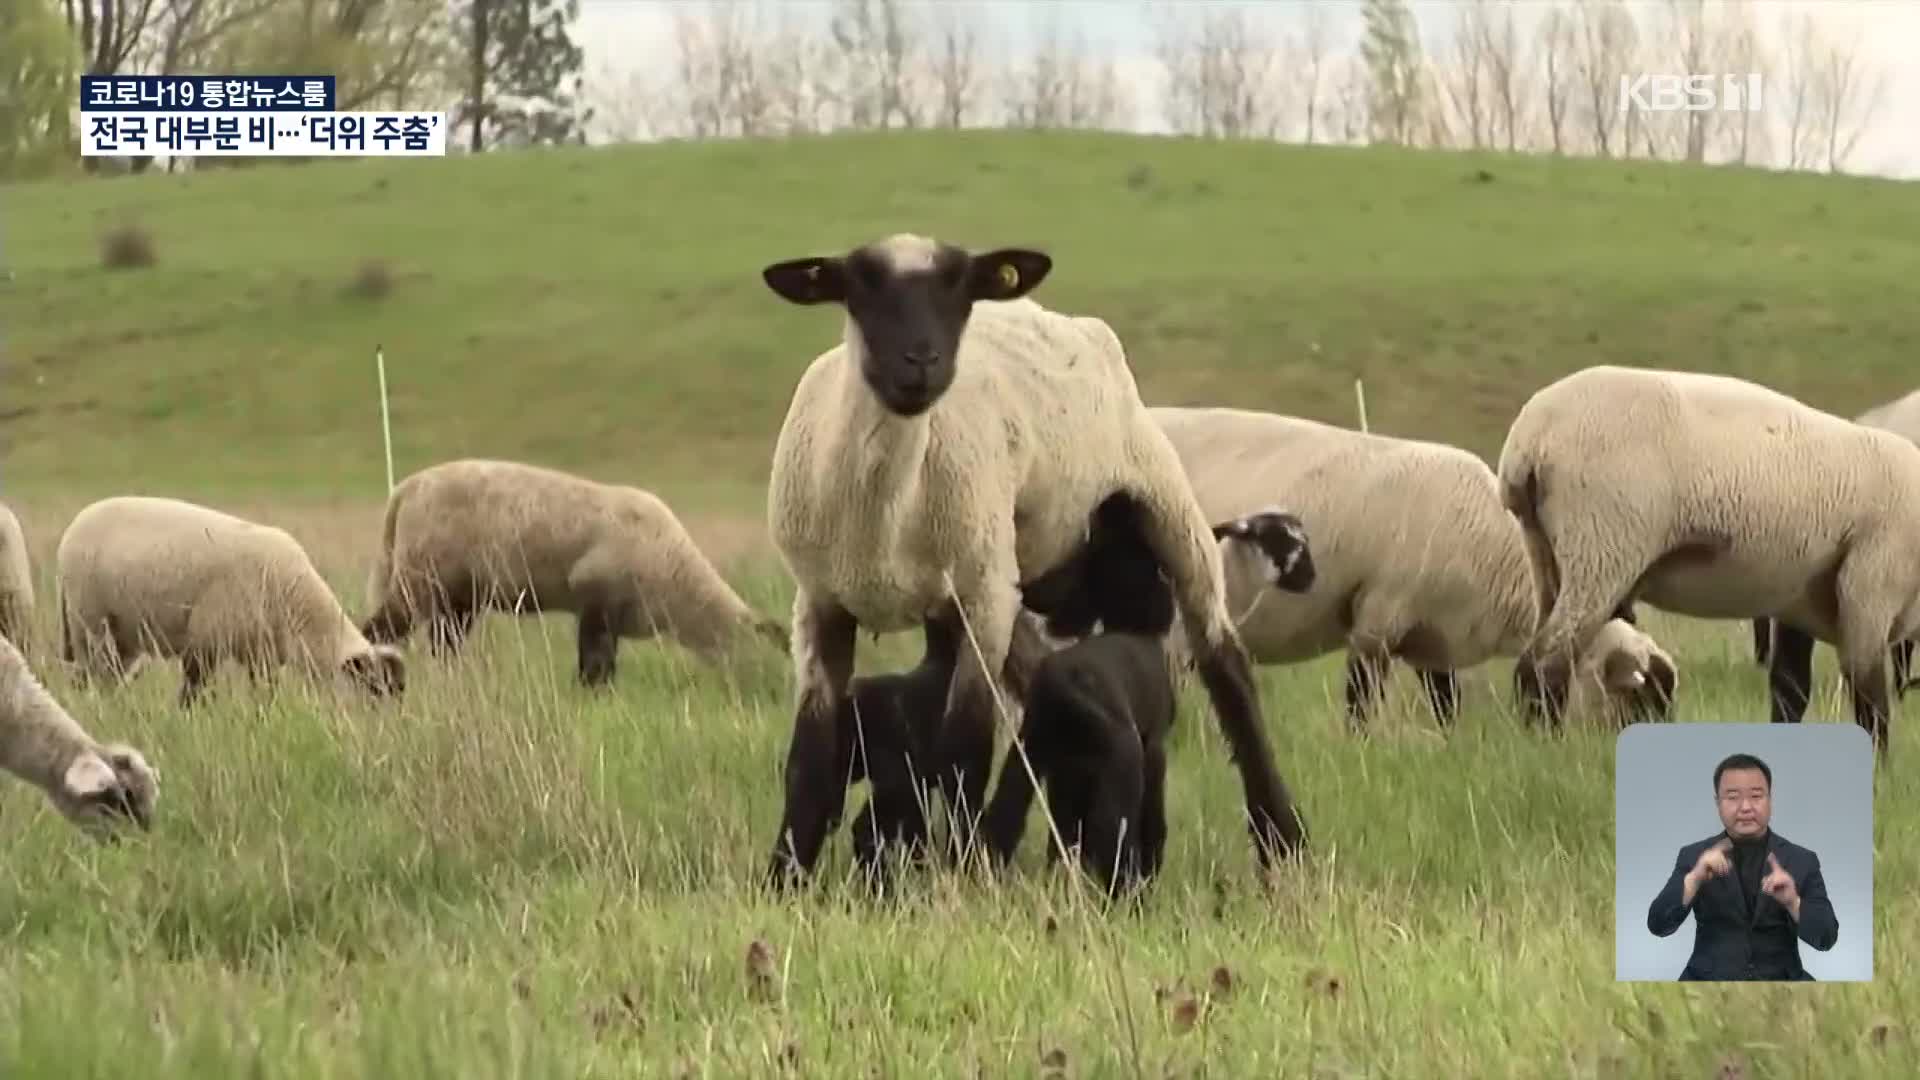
(909, 297)
(1281, 541)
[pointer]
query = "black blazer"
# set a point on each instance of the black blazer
(1732, 943)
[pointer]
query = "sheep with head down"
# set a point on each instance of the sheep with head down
(952, 446)
(146, 576)
(16, 580)
(473, 535)
(1902, 417)
(95, 785)
(1414, 558)
(1717, 498)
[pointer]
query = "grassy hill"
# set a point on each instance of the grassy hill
(602, 310)
(503, 874)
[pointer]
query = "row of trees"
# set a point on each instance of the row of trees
(1538, 75)
(508, 71)
(1507, 74)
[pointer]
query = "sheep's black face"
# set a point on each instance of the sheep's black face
(910, 299)
(1282, 539)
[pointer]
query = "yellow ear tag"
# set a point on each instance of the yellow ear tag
(1009, 277)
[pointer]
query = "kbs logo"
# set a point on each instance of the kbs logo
(1690, 93)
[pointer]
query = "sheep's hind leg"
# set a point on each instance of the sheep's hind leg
(1443, 693)
(1366, 681)
(1181, 538)
(1005, 820)
(1762, 641)
(448, 630)
(598, 635)
(816, 772)
(196, 668)
(1789, 673)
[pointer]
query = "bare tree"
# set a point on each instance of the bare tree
(1463, 81)
(1847, 92)
(1390, 46)
(1799, 55)
(956, 65)
(1059, 87)
(1308, 55)
(723, 86)
(1740, 43)
(1350, 117)
(1557, 66)
(878, 54)
(1506, 60)
(1220, 70)
(1605, 47)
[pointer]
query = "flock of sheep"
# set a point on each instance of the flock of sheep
(971, 464)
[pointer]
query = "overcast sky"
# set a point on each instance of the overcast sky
(627, 36)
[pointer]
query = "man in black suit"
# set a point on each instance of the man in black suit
(1753, 893)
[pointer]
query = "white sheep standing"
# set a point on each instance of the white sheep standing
(1902, 417)
(472, 535)
(142, 575)
(1717, 498)
(16, 580)
(1415, 558)
(94, 785)
(948, 449)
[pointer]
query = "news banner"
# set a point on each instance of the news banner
(243, 116)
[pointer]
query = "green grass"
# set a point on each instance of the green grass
(507, 875)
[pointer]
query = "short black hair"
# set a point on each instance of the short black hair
(1741, 761)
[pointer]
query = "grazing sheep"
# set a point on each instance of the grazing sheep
(1715, 497)
(16, 580)
(1628, 673)
(1902, 417)
(947, 449)
(94, 785)
(141, 576)
(473, 535)
(1414, 556)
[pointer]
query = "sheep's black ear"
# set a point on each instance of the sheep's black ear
(1006, 274)
(813, 280)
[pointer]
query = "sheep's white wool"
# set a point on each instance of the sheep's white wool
(16, 579)
(140, 575)
(1412, 551)
(908, 253)
(1718, 498)
(1900, 416)
(538, 539)
(994, 485)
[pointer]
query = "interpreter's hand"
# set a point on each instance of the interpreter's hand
(1779, 885)
(1713, 862)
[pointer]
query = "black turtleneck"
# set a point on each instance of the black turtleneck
(1750, 865)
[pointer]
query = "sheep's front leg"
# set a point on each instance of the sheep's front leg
(963, 752)
(1902, 667)
(816, 787)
